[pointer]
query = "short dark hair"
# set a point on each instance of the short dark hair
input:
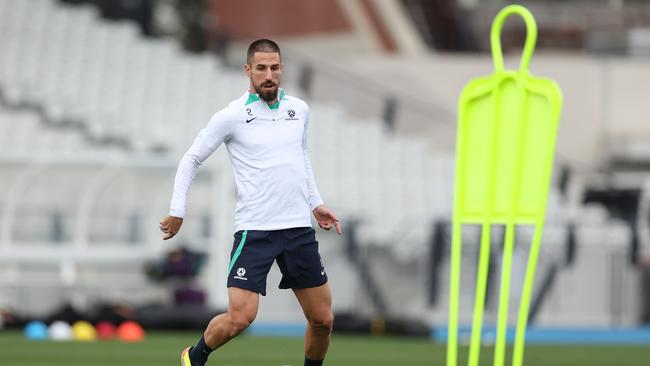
(261, 45)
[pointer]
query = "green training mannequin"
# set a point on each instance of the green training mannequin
(506, 136)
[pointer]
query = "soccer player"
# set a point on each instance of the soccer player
(265, 133)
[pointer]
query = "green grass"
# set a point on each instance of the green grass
(163, 348)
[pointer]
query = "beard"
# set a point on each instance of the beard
(265, 94)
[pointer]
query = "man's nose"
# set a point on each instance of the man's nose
(268, 75)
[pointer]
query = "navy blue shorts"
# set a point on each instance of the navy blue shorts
(295, 250)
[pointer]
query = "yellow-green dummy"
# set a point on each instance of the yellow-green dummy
(507, 128)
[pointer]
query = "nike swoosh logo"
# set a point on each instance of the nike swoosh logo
(248, 120)
(322, 273)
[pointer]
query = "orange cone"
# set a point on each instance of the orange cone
(130, 331)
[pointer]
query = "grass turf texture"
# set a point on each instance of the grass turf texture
(163, 348)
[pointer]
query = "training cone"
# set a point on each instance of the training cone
(83, 331)
(36, 330)
(60, 331)
(105, 330)
(130, 331)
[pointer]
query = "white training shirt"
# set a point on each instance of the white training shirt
(268, 153)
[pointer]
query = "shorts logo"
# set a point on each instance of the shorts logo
(241, 272)
(322, 271)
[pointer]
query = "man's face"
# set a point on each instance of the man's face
(264, 71)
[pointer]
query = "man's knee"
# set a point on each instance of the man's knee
(239, 322)
(322, 323)
(242, 310)
(229, 324)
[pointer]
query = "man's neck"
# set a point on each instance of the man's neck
(252, 91)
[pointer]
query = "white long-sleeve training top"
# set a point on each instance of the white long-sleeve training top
(267, 146)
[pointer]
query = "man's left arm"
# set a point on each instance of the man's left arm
(324, 216)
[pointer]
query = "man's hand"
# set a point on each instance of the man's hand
(170, 226)
(326, 219)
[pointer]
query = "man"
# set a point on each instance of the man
(265, 132)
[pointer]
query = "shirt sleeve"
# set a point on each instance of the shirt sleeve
(206, 142)
(314, 197)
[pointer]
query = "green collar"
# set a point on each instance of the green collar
(254, 98)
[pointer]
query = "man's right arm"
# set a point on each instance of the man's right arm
(208, 140)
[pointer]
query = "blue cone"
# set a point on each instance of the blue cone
(36, 330)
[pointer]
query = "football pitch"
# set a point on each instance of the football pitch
(163, 348)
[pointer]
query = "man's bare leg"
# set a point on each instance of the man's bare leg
(316, 303)
(242, 309)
